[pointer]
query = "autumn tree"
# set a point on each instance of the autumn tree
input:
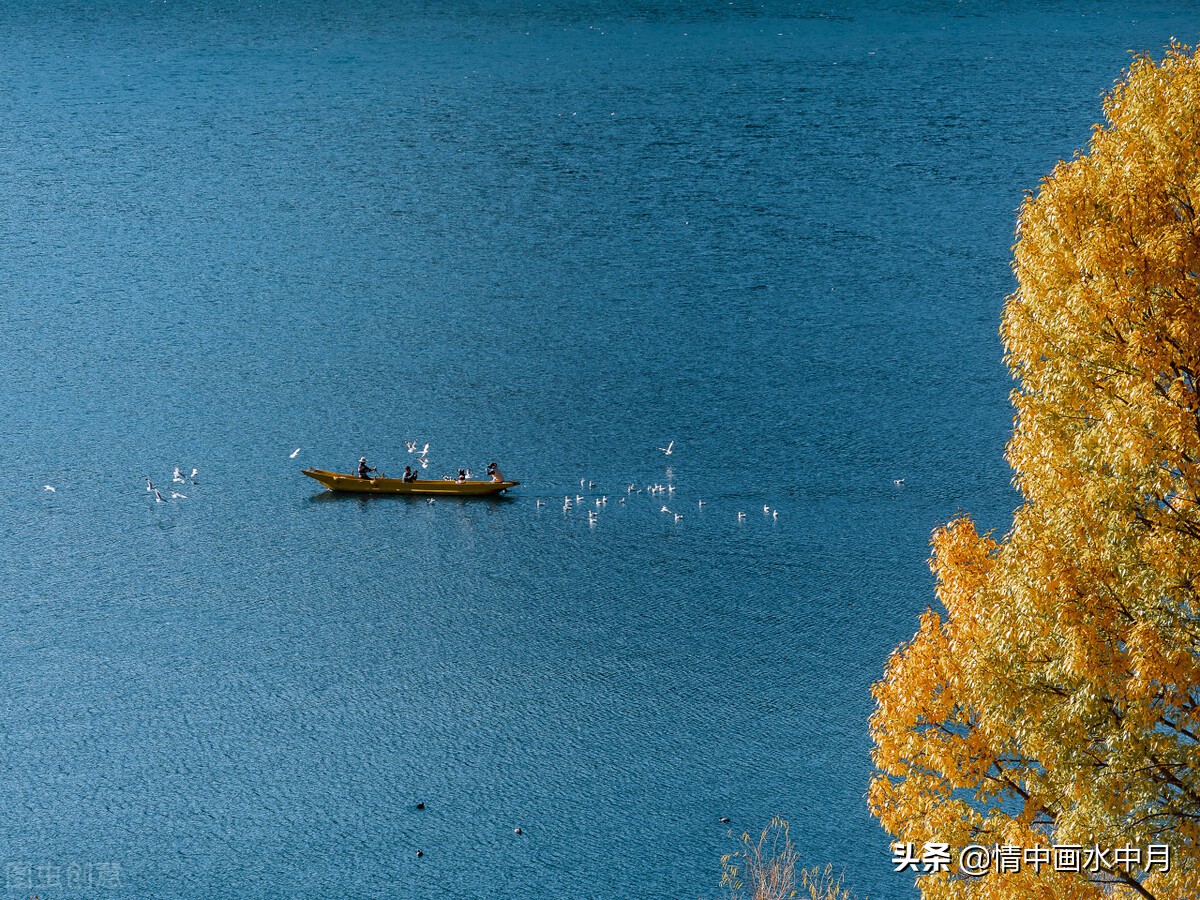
(1054, 699)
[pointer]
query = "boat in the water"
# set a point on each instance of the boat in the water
(336, 481)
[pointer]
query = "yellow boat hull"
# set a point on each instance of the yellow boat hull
(336, 481)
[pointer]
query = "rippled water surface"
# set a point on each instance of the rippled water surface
(559, 235)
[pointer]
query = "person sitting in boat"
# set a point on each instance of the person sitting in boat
(363, 469)
(493, 470)
(462, 476)
(409, 475)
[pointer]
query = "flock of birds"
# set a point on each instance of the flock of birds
(176, 478)
(657, 492)
(596, 505)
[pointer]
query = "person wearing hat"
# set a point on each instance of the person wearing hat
(363, 468)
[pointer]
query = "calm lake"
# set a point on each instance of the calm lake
(558, 235)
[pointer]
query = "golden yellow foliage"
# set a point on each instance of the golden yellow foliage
(1057, 699)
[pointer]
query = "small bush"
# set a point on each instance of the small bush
(766, 870)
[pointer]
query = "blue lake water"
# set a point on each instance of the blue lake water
(558, 235)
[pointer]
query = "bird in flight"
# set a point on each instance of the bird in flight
(159, 498)
(667, 449)
(177, 478)
(48, 487)
(295, 453)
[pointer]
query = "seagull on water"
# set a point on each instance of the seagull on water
(196, 472)
(295, 453)
(898, 482)
(49, 487)
(667, 449)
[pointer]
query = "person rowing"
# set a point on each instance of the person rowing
(363, 469)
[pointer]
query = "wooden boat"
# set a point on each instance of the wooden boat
(335, 481)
